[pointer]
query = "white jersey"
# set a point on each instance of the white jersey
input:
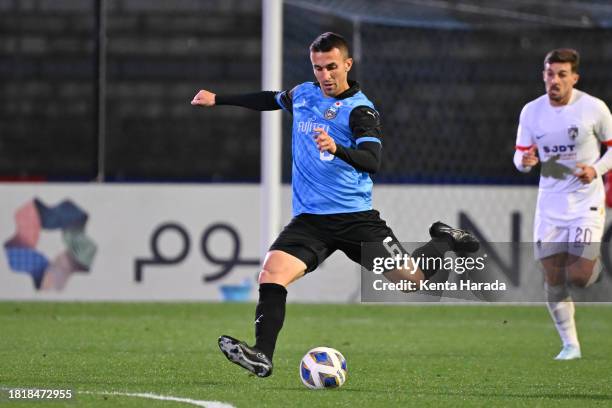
(565, 136)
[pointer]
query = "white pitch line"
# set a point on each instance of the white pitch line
(197, 403)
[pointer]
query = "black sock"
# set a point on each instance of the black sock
(432, 254)
(269, 316)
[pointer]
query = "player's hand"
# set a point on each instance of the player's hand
(324, 141)
(529, 157)
(204, 98)
(585, 173)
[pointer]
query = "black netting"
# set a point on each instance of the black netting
(47, 77)
(449, 98)
(159, 54)
(449, 83)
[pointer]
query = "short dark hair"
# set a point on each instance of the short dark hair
(327, 41)
(564, 55)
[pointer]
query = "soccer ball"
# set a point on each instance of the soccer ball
(323, 367)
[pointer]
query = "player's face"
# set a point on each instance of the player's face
(559, 80)
(331, 70)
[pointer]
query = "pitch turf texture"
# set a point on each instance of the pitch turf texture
(424, 356)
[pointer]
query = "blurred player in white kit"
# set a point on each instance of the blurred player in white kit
(563, 130)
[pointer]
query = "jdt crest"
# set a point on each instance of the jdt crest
(332, 111)
(572, 132)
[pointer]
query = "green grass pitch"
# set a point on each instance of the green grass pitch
(423, 356)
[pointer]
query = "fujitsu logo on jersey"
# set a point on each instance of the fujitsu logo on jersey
(307, 126)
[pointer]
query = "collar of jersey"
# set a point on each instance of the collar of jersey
(353, 89)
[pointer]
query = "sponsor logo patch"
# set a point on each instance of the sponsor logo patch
(572, 132)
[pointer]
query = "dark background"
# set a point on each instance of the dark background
(449, 84)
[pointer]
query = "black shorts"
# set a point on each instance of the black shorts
(313, 237)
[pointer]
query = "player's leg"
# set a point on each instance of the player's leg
(279, 270)
(561, 305)
(368, 227)
(444, 238)
(551, 250)
(435, 248)
(296, 251)
(583, 265)
(583, 272)
(582, 268)
(354, 229)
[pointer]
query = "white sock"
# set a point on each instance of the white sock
(561, 308)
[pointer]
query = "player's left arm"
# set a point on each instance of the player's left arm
(603, 131)
(366, 127)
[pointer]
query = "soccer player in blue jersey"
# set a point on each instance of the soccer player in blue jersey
(336, 145)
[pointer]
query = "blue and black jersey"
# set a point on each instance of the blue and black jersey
(323, 183)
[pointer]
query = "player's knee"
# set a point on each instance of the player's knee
(554, 276)
(269, 276)
(280, 273)
(556, 280)
(580, 277)
(281, 268)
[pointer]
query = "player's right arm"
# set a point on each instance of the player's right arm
(525, 157)
(260, 101)
(204, 98)
(603, 131)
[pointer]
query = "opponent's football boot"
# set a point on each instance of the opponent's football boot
(238, 352)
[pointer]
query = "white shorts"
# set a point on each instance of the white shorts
(581, 237)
